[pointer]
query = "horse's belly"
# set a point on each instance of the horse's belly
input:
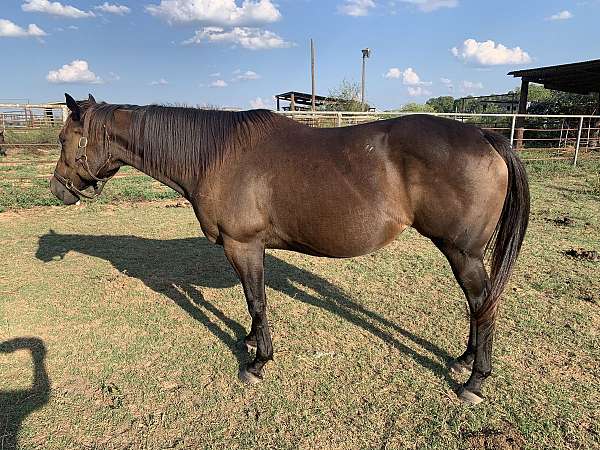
(341, 236)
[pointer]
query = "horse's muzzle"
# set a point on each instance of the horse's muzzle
(62, 193)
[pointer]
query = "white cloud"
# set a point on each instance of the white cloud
(250, 38)
(218, 12)
(470, 87)
(393, 73)
(10, 29)
(432, 5)
(55, 9)
(448, 83)
(418, 91)
(161, 82)
(259, 103)
(409, 76)
(109, 8)
(472, 84)
(356, 7)
(245, 76)
(563, 15)
(219, 84)
(216, 74)
(76, 72)
(489, 53)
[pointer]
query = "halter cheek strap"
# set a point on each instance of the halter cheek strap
(82, 159)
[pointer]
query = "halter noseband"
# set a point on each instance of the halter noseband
(83, 160)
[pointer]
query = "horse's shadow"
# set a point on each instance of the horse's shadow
(16, 405)
(177, 267)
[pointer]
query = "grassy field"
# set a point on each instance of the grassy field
(140, 318)
(24, 182)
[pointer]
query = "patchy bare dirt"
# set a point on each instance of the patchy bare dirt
(564, 221)
(505, 438)
(178, 204)
(589, 296)
(580, 253)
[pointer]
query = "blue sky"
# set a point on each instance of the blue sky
(240, 53)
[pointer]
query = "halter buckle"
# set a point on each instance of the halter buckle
(83, 142)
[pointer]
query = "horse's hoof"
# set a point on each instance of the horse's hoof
(248, 377)
(469, 397)
(460, 368)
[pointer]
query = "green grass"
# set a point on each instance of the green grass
(140, 318)
(32, 136)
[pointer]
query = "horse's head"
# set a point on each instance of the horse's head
(85, 158)
(34, 344)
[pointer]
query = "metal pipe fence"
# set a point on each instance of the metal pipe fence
(32, 127)
(24, 117)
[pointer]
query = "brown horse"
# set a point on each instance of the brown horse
(258, 180)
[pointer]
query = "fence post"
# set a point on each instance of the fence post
(339, 119)
(578, 141)
(512, 130)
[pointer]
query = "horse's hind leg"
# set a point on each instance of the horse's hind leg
(247, 260)
(469, 270)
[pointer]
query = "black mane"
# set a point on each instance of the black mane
(177, 141)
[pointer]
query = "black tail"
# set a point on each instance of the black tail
(506, 242)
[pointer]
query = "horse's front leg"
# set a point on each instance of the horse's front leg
(247, 260)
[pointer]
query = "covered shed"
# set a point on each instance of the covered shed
(301, 101)
(577, 78)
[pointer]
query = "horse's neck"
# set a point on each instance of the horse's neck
(132, 159)
(136, 161)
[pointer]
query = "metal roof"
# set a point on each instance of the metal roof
(303, 98)
(579, 78)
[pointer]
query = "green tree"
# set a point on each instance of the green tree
(443, 104)
(546, 101)
(416, 107)
(347, 98)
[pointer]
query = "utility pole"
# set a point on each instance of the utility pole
(366, 53)
(312, 71)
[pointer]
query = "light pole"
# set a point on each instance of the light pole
(366, 53)
(312, 72)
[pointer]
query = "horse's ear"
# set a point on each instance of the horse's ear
(91, 98)
(73, 106)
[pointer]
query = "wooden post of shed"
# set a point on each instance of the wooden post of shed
(596, 125)
(278, 108)
(292, 102)
(522, 110)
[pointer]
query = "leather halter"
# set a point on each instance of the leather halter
(82, 159)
